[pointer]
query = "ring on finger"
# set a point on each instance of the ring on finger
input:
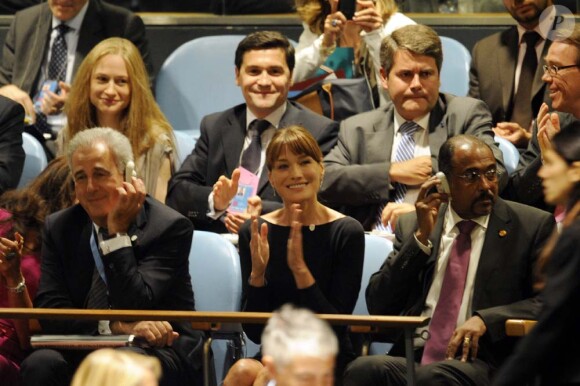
(334, 22)
(467, 341)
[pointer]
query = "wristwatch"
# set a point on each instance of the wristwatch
(19, 287)
(116, 241)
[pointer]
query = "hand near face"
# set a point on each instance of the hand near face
(10, 258)
(333, 25)
(548, 126)
(466, 339)
(427, 207)
(131, 197)
(224, 190)
(368, 17)
(513, 133)
(53, 103)
(260, 251)
(412, 172)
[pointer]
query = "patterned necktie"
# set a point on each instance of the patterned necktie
(522, 109)
(58, 54)
(405, 152)
(444, 317)
(253, 154)
(98, 296)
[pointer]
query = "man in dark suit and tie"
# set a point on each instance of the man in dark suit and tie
(501, 71)
(383, 156)
(116, 249)
(208, 179)
(466, 260)
(30, 43)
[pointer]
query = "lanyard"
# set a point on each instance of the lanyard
(97, 257)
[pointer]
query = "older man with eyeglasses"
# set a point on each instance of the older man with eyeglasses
(562, 78)
(465, 260)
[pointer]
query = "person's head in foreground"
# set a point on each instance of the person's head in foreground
(108, 367)
(299, 349)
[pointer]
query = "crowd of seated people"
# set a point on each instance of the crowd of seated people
(299, 190)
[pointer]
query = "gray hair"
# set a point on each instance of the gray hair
(117, 143)
(293, 332)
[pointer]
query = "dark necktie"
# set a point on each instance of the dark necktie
(522, 109)
(444, 317)
(98, 297)
(253, 154)
(58, 54)
(405, 151)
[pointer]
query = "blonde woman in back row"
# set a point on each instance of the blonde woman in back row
(108, 367)
(325, 28)
(111, 89)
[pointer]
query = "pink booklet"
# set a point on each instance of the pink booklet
(247, 187)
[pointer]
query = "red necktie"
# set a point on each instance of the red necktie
(444, 317)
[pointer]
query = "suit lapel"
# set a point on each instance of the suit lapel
(38, 54)
(437, 130)
(233, 133)
(507, 58)
(90, 34)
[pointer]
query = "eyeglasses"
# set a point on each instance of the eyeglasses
(473, 176)
(553, 70)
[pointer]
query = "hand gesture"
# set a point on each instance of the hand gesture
(53, 103)
(466, 337)
(295, 253)
(333, 25)
(157, 333)
(367, 17)
(260, 251)
(513, 133)
(393, 210)
(234, 221)
(10, 259)
(131, 197)
(427, 207)
(16, 94)
(412, 172)
(224, 190)
(548, 126)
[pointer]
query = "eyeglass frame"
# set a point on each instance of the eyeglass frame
(472, 176)
(552, 70)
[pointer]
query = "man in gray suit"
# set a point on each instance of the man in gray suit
(366, 172)
(208, 179)
(28, 44)
(465, 260)
(496, 65)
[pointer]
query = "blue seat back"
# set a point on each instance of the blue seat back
(511, 155)
(185, 144)
(455, 69)
(197, 79)
(35, 160)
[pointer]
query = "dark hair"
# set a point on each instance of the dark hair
(51, 191)
(295, 138)
(447, 150)
(263, 40)
(418, 39)
(567, 145)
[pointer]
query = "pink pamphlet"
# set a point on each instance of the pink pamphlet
(247, 187)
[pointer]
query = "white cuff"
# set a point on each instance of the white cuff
(425, 248)
(211, 212)
(121, 240)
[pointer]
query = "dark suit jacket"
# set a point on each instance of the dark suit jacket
(11, 152)
(504, 277)
(217, 152)
(153, 275)
(27, 40)
(542, 351)
(357, 169)
(492, 74)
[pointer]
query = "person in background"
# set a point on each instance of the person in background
(111, 89)
(325, 28)
(108, 367)
(304, 253)
(506, 71)
(46, 43)
(540, 352)
(298, 349)
(22, 214)
(11, 152)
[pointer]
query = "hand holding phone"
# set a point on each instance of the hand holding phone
(443, 187)
(130, 172)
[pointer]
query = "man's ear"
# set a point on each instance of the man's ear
(384, 78)
(237, 76)
(575, 171)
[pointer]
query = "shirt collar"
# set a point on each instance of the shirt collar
(274, 117)
(423, 122)
(522, 31)
(75, 22)
(452, 218)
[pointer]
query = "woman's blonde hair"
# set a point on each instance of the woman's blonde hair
(314, 12)
(142, 121)
(108, 367)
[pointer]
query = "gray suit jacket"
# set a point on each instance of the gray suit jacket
(492, 74)
(28, 38)
(357, 169)
(217, 152)
(503, 286)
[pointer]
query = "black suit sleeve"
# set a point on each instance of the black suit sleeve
(11, 152)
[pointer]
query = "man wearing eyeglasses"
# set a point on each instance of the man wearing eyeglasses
(506, 71)
(562, 78)
(464, 259)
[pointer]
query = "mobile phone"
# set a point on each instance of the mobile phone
(347, 7)
(130, 171)
(48, 85)
(444, 186)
